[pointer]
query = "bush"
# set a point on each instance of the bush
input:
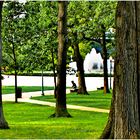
(51, 74)
(30, 74)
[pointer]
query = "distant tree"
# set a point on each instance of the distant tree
(102, 21)
(3, 123)
(124, 117)
(75, 16)
(80, 70)
(61, 109)
(41, 44)
(105, 57)
(13, 36)
(37, 32)
(89, 23)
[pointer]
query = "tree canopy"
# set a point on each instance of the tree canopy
(35, 26)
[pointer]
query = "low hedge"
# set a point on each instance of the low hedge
(30, 74)
(51, 74)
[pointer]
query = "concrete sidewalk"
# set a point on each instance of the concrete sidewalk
(68, 106)
(28, 95)
(26, 98)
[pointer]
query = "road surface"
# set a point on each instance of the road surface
(92, 83)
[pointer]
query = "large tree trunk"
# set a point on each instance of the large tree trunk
(126, 114)
(108, 132)
(61, 109)
(80, 71)
(106, 88)
(137, 5)
(55, 84)
(3, 123)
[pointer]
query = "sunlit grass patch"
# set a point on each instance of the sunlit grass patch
(95, 99)
(31, 121)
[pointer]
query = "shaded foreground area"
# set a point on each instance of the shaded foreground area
(31, 121)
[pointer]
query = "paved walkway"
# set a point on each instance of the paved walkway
(26, 98)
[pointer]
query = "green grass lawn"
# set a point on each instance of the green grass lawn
(11, 89)
(95, 99)
(29, 121)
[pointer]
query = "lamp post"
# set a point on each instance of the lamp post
(110, 58)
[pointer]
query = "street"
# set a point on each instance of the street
(92, 83)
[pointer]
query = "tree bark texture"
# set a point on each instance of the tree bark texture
(137, 5)
(55, 85)
(106, 88)
(108, 132)
(126, 100)
(3, 123)
(80, 71)
(61, 109)
(16, 100)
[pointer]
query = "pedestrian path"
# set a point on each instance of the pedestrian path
(27, 95)
(26, 98)
(68, 106)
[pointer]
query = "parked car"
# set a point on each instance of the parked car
(71, 71)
